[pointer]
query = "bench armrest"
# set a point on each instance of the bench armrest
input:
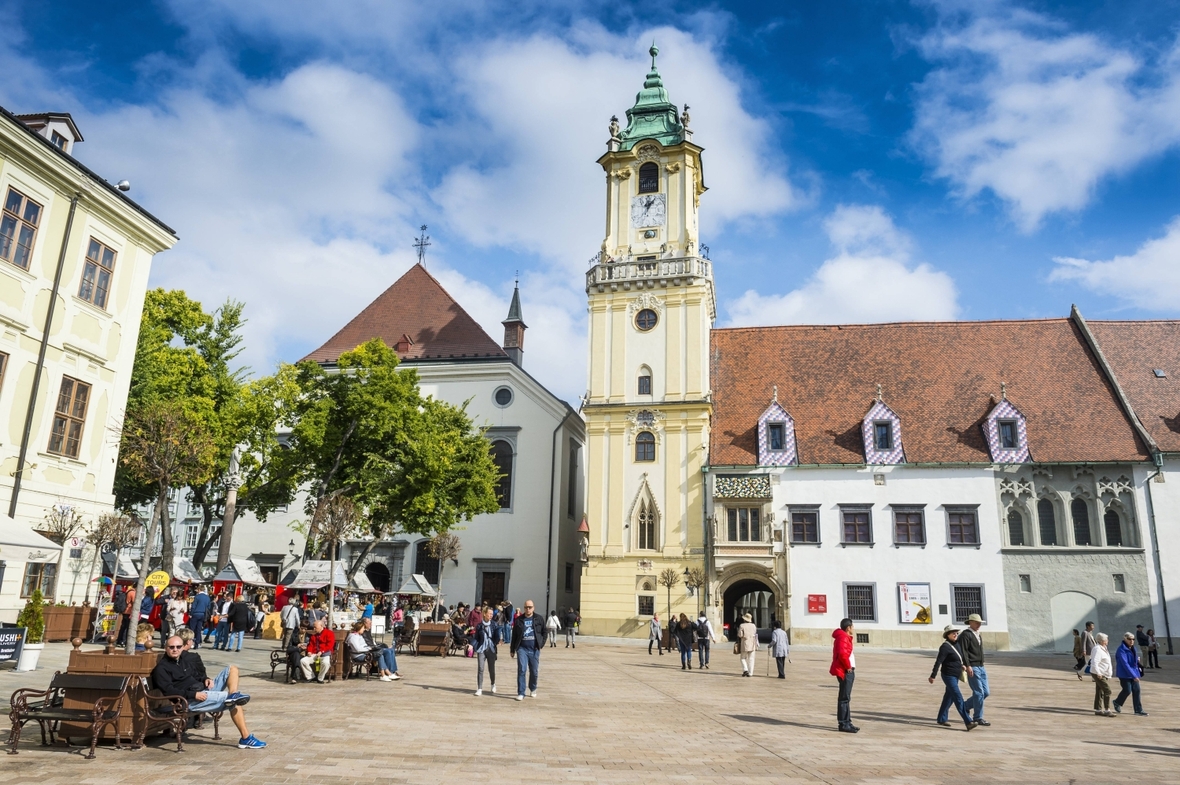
(177, 704)
(20, 699)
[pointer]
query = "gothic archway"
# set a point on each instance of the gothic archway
(749, 595)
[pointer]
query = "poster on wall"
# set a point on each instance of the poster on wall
(913, 599)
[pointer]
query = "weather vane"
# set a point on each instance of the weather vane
(421, 244)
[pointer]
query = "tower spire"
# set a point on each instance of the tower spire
(514, 328)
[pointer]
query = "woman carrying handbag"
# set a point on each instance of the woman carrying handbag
(950, 662)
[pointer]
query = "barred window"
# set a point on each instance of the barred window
(646, 604)
(1114, 528)
(909, 527)
(967, 600)
(1015, 528)
(860, 601)
(69, 417)
(18, 228)
(645, 384)
(649, 178)
(963, 528)
(96, 274)
(805, 527)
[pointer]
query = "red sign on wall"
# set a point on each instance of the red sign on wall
(817, 603)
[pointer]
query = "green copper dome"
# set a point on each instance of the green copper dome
(653, 116)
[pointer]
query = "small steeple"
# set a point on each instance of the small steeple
(514, 328)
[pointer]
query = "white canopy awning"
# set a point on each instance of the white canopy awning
(184, 571)
(315, 575)
(18, 542)
(416, 584)
(241, 571)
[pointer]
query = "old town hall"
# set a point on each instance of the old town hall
(904, 475)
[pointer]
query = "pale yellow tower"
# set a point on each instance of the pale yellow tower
(647, 410)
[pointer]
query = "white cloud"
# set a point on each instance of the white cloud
(870, 279)
(1148, 278)
(1036, 114)
(545, 104)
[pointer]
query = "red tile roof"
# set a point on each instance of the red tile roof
(938, 376)
(1134, 350)
(416, 306)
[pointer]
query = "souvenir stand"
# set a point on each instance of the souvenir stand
(237, 574)
(314, 576)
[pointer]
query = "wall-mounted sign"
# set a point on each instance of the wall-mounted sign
(913, 600)
(12, 640)
(817, 603)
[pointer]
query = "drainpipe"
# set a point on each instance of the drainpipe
(552, 500)
(1155, 548)
(18, 475)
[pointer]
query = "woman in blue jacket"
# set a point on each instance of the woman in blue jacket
(1128, 671)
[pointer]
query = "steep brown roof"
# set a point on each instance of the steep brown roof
(1134, 350)
(416, 306)
(939, 377)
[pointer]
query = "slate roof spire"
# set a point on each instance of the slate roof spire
(514, 328)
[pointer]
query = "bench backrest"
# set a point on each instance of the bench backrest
(87, 681)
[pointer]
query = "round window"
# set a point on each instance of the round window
(503, 396)
(645, 319)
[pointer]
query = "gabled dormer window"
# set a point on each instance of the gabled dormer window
(881, 430)
(776, 437)
(1006, 433)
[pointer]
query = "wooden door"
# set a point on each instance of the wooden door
(492, 588)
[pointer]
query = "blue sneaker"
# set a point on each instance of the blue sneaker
(237, 699)
(251, 742)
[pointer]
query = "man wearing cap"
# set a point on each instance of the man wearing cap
(1128, 672)
(971, 647)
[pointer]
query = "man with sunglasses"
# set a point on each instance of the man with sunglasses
(528, 637)
(176, 674)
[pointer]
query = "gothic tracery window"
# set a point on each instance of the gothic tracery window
(645, 526)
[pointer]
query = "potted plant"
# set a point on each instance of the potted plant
(32, 618)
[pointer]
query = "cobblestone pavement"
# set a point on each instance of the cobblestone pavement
(613, 714)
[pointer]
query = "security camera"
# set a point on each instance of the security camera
(124, 185)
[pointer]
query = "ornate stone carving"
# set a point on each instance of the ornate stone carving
(1116, 488)
(622, 174)
(1017, 488)
(650, 420)
(649, 152)
(673, 167)
(614, 127)
(645, 300)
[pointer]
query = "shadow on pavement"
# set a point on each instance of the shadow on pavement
(772, 721)
(1147, 750)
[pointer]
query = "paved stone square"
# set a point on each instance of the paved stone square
(612, 714)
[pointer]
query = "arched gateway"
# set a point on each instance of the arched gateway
(754, 596)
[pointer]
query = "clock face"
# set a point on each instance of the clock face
(649, 210)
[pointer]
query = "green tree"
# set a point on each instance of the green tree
(165, 445)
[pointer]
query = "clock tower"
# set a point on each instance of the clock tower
(647, 410)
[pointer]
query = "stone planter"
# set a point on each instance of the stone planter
(29, 656)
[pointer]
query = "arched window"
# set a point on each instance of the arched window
(645, 446)
(1015, 528)
(644, 387)
(1114, 528)
(645, 526)
(649, 178)
(1047, 519)
(1081, 522)
(502, 456)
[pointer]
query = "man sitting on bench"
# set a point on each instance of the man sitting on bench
(178, 674)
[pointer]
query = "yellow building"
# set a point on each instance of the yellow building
(75, 254)
(651, 307)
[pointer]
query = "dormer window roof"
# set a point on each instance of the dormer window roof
(881, 429)
(1006, 432)
(57, 127)
(776, 437)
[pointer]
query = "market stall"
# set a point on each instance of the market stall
(237, 574)
(316, 576)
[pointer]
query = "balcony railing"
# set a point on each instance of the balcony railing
(615, 271)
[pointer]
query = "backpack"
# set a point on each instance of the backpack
(120, 602)
(702, 630)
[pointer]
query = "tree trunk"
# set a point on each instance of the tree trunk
(332, 588)
(207, 538)
(167, 541)
(144, 566)
(325, 483)
(227, 519)
(356, 565)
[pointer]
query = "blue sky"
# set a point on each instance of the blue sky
(866, 161)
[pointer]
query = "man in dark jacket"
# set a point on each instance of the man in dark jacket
(971, 647)
(528, 636)
(571, 624)
(177, 674)
(239, 622)
(198, 612)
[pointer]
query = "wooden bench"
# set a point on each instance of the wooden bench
(363, 664)
(170, 711)
(45, 708)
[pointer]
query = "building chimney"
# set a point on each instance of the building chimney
(514, 328)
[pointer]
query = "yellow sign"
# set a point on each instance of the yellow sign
(157, 580)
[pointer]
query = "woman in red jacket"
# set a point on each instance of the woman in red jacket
(844, 669)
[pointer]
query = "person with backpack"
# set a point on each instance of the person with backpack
(685, 633)
(572, 619)
(552, 627)
(239, 621)
(705, 637)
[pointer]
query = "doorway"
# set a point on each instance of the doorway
(378, 575)
(491, 588)
(1071, 610)
(749, 596)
